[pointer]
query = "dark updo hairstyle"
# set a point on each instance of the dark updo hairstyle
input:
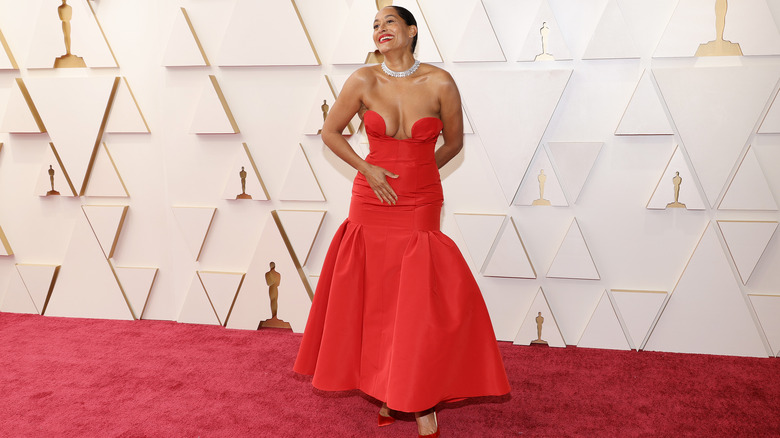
(409, 20)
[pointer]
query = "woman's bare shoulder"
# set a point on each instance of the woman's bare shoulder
(437, 74)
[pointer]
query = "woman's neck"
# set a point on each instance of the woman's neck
(399, 61)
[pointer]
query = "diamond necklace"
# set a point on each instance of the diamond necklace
(401, 74)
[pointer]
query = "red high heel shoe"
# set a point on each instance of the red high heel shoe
(435, 434)
(385, 421)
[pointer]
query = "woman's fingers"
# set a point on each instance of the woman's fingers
(377, 179)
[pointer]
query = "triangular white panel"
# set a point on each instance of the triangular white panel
(645, 114)
(511, 145)
(529, 329)
(540, 186)
(39, 280)
(73, 109)
(254, 24)
(746, 242)
(253, 303)
(197, 308)
(106, 222)
(356, 39)
(639, 310)
(105, 179)
(301, 183)
(767, 308)
(20, 116)
(749, 189)
(508, 256)
(612, 38)
(573, 259)
(16, 298)
(87, 39)
(184, 49)
(663, 195)
(479, 231)
(194, 223)
(7, 59)
(86, 286)
(126, 116)
(253, 182)
(604, 329)
(137, 284)
(212, 115)
(715, 110)
(222, 289)
(707, 312)
(301, 228)
(324, 99)
(479, 42)
(574, 162)
(61, 181)
(554, 40)
(748, 23)
(771, 122)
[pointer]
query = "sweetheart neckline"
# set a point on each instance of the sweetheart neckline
(384, 131)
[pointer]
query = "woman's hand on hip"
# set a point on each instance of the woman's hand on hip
(377, 179)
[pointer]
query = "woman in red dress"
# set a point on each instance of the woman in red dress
(397, 312)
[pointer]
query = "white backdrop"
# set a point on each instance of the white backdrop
(624, 107)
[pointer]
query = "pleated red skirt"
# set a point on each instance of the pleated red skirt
(397, 312)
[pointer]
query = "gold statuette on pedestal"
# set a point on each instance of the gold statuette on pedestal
(719, 46)
(677, 180)
(539, 322)
(545, 34)
(273, 279)
(243, 195)
(52, 192)
(542, 178)
(68, 60)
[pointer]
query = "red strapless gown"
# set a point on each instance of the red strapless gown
(397, 313)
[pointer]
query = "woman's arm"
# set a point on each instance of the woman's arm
(452, 120)
(346, 106)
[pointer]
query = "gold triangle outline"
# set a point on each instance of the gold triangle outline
(574, 222)
(257, 172)
(492, 28)
(51, 283)
(731, 255)
(103, 33)
(306, 32)
(119, 226)
(224, 103)
(99, 138)
(122, 289)
(291, 251)
(195, 36)
(489, 257)
(31, 105)
(615, 312)
(7, 50)
(316, 233)
(235, 295)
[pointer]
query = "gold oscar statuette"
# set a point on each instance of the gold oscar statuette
(325, 109)
(545, 34)
(243, 195)
(52, 192)
(273, 279)
(719, 46)
(68, 60)
(677, 180)
(539, 322)
(542, 178)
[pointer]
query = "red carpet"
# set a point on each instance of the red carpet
(96, 378)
